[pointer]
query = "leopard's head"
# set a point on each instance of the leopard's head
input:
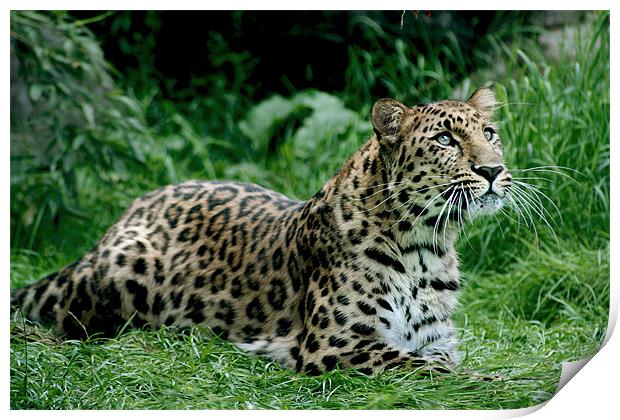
(446, 155)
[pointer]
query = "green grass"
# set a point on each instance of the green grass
(166, 370)
(532, 297)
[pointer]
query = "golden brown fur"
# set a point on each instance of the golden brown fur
(364, 274)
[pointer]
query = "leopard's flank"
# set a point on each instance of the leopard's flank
(364, 274)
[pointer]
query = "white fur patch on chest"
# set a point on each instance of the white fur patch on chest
(420, 313)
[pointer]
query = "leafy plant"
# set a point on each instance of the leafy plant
(286, 133)
(68, 120)
(548, 118)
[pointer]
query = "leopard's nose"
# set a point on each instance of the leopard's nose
(488, 172)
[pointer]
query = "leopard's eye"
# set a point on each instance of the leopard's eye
(444, 139)
(488, 133)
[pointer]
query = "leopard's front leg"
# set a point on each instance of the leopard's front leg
(369, 357)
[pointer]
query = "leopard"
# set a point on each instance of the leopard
(363, 275)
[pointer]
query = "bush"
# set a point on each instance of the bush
(68, 117)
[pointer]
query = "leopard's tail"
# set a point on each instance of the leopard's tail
(39, 302)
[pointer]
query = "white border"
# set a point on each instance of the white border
(306, 5)
(593, 393)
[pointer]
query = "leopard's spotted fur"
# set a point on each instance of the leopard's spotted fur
(364, 274)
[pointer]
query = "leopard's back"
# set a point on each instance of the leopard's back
(216, 254)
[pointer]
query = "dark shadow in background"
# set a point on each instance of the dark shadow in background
(293, 49)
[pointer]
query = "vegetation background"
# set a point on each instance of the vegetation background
(107, 106)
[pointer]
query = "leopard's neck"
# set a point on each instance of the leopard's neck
(364, 201)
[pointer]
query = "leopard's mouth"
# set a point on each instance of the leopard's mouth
(486, 204)
(472, 202)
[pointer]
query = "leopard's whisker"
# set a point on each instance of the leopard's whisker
(535, 190)
(449, 204)
(536, 178)
(424, 189)
(463, 197)
(392, 195)
(551, 169)
(390, 185)
(535, 200)
(499, 224)
(500, 105)
(525, 211)
(471, 193)
(505, 213)
(417, 191)
(428, 204)
(409, 202)
(448, 213)
(434, 240)
(535, 208)
(514, 206)
(524, 199)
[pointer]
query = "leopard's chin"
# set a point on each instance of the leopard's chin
(487, 204)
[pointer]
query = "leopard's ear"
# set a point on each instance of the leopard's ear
(387, 117)
(483, 100)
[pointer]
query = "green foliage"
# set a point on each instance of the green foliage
(425, 58)
(69, 121)
(555, 114)
(286, 133)
(549, 287)
(167, 369)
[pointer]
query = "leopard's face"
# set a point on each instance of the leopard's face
(446, 155)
